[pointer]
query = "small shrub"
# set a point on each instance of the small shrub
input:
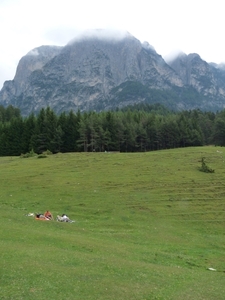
(204, 167)
(47, 152)
(29, 154)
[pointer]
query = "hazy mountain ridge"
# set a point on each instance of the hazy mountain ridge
(99, 72)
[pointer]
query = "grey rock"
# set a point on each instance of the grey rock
(100, 72)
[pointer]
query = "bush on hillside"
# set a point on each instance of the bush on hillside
(29, 154)
(204, 167)
(47, 152)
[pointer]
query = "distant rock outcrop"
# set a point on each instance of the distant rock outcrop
(100, 71)
(204, 77)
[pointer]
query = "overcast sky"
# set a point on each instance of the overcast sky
(168, 25)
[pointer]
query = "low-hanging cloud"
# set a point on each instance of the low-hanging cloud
(101, 34)
(33, 52)
(173, 55)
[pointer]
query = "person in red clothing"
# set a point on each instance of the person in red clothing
(48, 215)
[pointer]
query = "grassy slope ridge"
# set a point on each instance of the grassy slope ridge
(148, 226)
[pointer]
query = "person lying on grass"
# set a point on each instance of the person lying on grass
(64, 218)
(48, 215)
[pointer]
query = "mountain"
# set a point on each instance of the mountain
(207, 79)
(100, 70)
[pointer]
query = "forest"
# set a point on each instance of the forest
(135, 128)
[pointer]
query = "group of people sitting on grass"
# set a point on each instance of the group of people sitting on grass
(48, 216)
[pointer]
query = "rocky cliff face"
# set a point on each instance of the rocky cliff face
(206, 78)
(14, 91)
(96, 72)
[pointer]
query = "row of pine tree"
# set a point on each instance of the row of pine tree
(143, 128)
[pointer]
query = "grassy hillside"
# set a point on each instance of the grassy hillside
(148, 226)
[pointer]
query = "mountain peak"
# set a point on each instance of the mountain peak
(194, 56)
(43, 50)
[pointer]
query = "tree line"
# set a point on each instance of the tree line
(132, 129)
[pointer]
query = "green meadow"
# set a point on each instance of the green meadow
(147, 226)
